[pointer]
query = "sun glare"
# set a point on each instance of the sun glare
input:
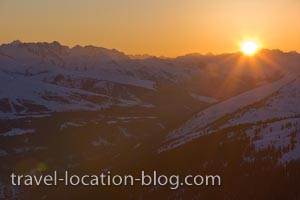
(249, 47)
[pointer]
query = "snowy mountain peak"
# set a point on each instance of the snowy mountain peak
(16, 42)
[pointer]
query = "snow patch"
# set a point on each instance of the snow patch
(29, 149)
(101, 142)
(71, 124)
(204, 99)
(17, 131)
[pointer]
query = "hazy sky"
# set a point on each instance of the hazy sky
(159, 27)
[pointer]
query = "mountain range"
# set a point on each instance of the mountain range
(88, 108)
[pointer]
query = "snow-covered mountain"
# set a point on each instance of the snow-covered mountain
(92, 109)
(271, 114)
(52, 77)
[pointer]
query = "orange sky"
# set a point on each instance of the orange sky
(157, 27)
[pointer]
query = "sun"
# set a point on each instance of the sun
(249, 47)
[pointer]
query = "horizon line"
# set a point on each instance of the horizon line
(17, 41)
